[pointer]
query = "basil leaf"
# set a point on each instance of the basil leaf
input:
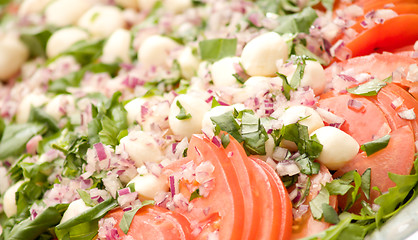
(194, 195)
(2, 126)
(183, 115)
(306, 165)
(370, 88)
(38, 115)
(365, 182)
(375, 145)
(128, 216)
(286, 86)
(226, 122)
(297, 22)
(31, 229)
(16, 136)
(316, 203)
(298, 75)
(85, 197)
(215, 103)
(35, 38)
(301, 50)
(298, 134)
(91, 214)
(84, 52)
(225, 140)
(253, 134)
(215, 49)
(330, 215)
(75, 153)
(338, 187)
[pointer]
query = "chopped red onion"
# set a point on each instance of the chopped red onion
(254, 19)
(279, 153)
(124, 191)
(355, 105)
(396, 103)
(300, 211)
(347, 78)
(101, 153)
(339, 51)
(204, 171)
(287, 167)
(330, 118)
(407, 114)
(172, 185)
(216, 141)
(154, 168)
(32, 144)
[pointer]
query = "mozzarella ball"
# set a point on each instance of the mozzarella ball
(338, 147)
(59, 106)
(66, 12)
(148, 185)
(155, 50)
(128, 3)
(133, 109)
(309, 116)
(194, 106)
(102, 21)
(188, 63)
(222, 71)
(13, 53)
(313, 76)
(207, 123)
(260, 55)
(141, 147)
(146, 5)
(64, 38)
(25, 105)
(117, 47)
(177, 6)
(255, 86)
(74, 209)
(9, 199)
(32, 6)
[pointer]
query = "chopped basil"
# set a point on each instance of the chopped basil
(286, 86)
(301, 50)
(37, 115)
(306, 165)
(316, 203)
(298, 134)
(194, 195)
(253, 134)
(35, 38)
(225, 140)
(370, 88)
(365, 182)
(297, 22)
(183, 115)
(226, 122)
(215, 49)
(375, 145)
(215, 103)
(128, 216)
(330, 215)
(298, 75)
(85, 197)
(2, 126)
(75, 153)
(85, 52)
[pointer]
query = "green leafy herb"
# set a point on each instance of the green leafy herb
(365, 182)
(75, 153)
(16, 136)
(298, 75)
(226, 122)
(328, 4)
(85, 197)
(306, 165)
(183, 115)
(37, 115)
(301, 50)
(253, 134)
(215, 49)
(370, 88)
(316, 203)
(194, 195)
(35, 39)
(215, 103)
(330, 215)
(225, 140)
(85, 52)
(128, 216)
(375, 145)
(2, 126)
(286, 86)
(298, 134)
(297, 22)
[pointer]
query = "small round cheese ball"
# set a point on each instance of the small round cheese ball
(255, 86)
(102, 21)
(13, 53)
(128, 3)
(141, 147)
(155, 50)
(74, 209)
(64, 38)
(148, 185)
(66, 12)
(260, 55)
(9, 199)
(188, 63)
(222, 71)
(192, 105)
(309, 116)
(338, 147)
(32, 6)
(177, 6)
(59, 105)
(133, 109)
(313, 76)
(32, 99)
(117, 47)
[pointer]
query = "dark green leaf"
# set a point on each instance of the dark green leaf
(226, 122)
(301, 50)
(225, 140)
(375, 145)
(298, 134)
(37, 115)
(298, 75)
(307, 166)
(85, 52)
(370, 88)
(128, 216)
(2, 126)
(365, 182)
(353, 232)
(35, 38)
(316, 203)
(296, 23)
(330, 215)
(215, 49)
(183, 115)
(338, 187)
(85, 197)
(91, 214)
(286, 86)
(253, 134)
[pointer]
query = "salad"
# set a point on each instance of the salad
(208, 119)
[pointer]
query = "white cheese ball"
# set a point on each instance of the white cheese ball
(66, 12)
(313, 76)
(32, 99)
(146, 5)
(133, 109)
(32, 6)
(155, 50)
(128, 3)
(194, 106)
(338, 147)
(207, 124)
(257, 86)
(102, 21)
(260, 55)
(13, 53)
(74, 209)
(64, 38)
(9, 199)
(188, 63)
(148, 185)
(310, 117)
(222, 71)
(141, 147)
(117, 47)
(59, 105)
(177, 6)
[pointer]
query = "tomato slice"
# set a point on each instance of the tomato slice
(152, 222)
(392, 34)
(306, 225)
(397, 157)
(357, 122)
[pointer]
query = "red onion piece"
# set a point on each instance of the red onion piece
(124, 191)
(172, 185)
(101, 154)
(216, 141)
(32, 145)
(287, 167)
(396, 103)
(355, 105)
(347, 78)
(407, 114)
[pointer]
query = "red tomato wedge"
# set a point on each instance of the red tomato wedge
(152, 222)
(397, 157)
(358, 121)
(306, 225)
(392, 34)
